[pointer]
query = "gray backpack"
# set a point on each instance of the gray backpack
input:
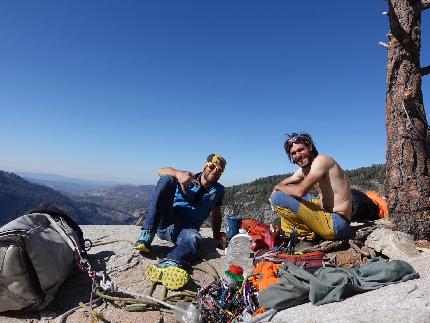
(37, 252)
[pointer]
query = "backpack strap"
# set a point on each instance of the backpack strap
(83, 262)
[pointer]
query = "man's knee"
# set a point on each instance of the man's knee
(167, 180)
(276, 199)
(281, 199)
(166, 187)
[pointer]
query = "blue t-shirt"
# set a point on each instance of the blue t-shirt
(194, 206)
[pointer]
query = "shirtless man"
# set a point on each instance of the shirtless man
(330, 216)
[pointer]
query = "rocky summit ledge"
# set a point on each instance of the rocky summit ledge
(403, 302)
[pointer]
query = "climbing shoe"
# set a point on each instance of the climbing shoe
(168, 273)
(143, 244)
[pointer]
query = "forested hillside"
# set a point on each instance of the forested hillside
(251, 199)
(130, 199)
(18, 196)
(125, 204)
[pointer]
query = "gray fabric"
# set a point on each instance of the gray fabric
(326, 285)
(35, 260)
(2, 255)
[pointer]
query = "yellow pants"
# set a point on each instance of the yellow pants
(308, 221)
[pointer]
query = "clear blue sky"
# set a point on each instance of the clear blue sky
(115, 90)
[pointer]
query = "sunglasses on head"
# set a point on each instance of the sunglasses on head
(296, 138)
(213, 166)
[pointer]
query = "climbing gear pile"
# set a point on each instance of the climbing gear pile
(219, 302)
(228, 298)
(312, 260)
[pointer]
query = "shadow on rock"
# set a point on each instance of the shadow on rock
(157, 252)
(192, 286)
(207, 249)
(75, 289)
(99, 260)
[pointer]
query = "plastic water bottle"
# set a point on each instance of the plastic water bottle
(233, 277)
(231, 282)
(185, 312)
(238, 252)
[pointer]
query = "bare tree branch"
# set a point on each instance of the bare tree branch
(425, 4)
(425, 70)
(383, 44)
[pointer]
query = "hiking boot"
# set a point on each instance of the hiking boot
(143, 244)
(168, 273)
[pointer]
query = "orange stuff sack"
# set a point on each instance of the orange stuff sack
(265, 275)
(380, 202)
(260, 311)
(262, 235)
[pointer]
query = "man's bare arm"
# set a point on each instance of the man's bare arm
(296, 178)
(319, 167)
(184, 177)
(216, 228)
(216, 221)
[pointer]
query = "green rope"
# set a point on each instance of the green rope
(109, 242)
(94, 313)
(130, 300)
(133, 304)
(141, 308)
(181, 295)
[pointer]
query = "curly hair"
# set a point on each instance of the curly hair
(299, 138)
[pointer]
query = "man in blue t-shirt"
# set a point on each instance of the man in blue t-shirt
(180, 203)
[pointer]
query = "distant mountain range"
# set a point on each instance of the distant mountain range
(104, 203)
(113, 200)
(18, 195)
(133, 200)
(65, 184)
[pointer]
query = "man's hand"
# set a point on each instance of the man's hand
(184, 179)
(222, 240)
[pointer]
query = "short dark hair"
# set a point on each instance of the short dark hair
(300, 138)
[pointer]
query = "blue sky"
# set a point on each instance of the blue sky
(114, 90)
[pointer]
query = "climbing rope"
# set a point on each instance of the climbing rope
(105, 289)
(190, 314)
(96, 244)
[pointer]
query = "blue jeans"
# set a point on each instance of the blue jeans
(169, 225)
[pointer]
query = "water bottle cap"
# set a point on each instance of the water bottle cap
(235, 269)
(236, 278)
